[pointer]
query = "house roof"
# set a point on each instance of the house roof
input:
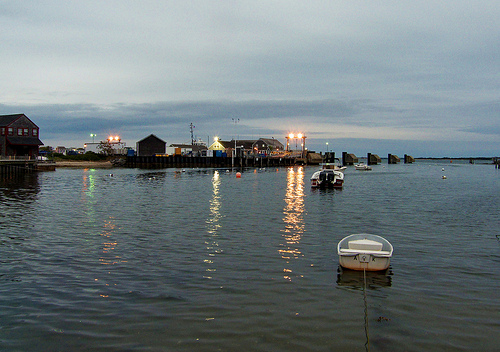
(24, 140)
(194, 147)
(246, 143)
(272, 141)
(6, 120)
(227, 144)
(152, 136)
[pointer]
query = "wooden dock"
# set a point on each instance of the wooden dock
(179, 161)
(16, 166)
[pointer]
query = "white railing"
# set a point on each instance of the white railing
(20, 158)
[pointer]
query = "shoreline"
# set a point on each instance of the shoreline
(84, 164)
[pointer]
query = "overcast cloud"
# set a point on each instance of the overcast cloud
(415, 77)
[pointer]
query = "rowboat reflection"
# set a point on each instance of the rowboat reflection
(355, 279)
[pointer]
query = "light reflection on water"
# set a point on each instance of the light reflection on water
(213, 225)
(293, 218)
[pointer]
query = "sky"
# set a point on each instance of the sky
(401, 77)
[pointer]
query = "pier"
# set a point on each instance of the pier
(16, 166)
(160, 162)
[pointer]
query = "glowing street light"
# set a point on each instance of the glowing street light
(297, 137)
(93, 135)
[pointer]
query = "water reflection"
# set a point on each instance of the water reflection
(19, 187)
(355, 279)
(108, 256)
(89, 182)
(213, 225)
(293, 218)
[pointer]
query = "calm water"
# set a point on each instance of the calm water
(200, 260)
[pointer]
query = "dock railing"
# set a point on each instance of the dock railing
(17, 158)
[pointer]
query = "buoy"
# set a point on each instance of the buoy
(238, 175)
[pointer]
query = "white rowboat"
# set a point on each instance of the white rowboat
(364, 252)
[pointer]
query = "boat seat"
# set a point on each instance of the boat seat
(365, 244)
(365, 251)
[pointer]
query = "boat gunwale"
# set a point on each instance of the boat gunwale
(386, 251)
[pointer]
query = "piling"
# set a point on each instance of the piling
(408, 159)
(373, 159)
(348, 159)
(329, 157)
(393, 159)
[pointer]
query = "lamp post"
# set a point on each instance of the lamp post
(92, 135)
(233, 154)
(327, 147)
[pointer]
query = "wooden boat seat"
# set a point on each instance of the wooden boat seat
(365, 251)
(365, 244)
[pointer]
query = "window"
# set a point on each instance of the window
(26, 132)
(35, 132)
(10, 131)
(19, 131)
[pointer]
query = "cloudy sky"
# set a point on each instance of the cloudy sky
(402, 77)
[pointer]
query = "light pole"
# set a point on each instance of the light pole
(234, 151)
(327, 147)
(92, 135)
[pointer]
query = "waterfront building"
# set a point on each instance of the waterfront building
(187, 149)
(262, 146)
(19, 137)
(267, 146)
(151, 145)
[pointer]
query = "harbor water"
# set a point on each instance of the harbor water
(200, 260)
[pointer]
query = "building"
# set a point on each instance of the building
(262, 146)
(19, 137)
(188, 149)
(151, 145)
(267, 146)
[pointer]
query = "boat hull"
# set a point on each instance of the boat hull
(364, 252)
(336, 184)
(364, 261)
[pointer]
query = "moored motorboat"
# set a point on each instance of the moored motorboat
(362, 166)
(364, 252)
(329, 176)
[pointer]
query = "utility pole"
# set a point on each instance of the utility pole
(191, 126)
(234, 152)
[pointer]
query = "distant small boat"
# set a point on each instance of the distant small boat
(364, 252)
(329, 176)
(362, 166)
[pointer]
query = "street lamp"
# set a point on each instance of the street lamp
(234, 151)
(297, 136)
(92, 135)
(327, 147)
